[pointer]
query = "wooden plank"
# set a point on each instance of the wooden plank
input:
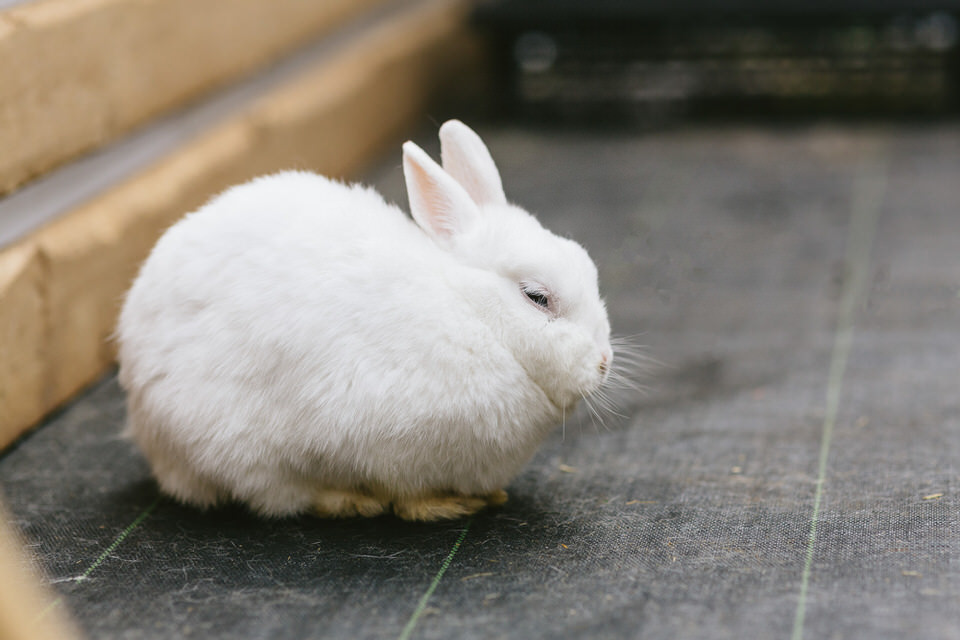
(332, 119)
(77, 73)
(27, 611)
(22, 340)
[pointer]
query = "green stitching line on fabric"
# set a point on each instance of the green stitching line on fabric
(116, 543)
(868, 197)
(412, 622)
(103, 556)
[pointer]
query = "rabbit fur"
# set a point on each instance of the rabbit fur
(298, 344)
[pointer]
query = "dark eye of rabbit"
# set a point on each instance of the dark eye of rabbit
(538, 298)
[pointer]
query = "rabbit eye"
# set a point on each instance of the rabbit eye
(537, 297)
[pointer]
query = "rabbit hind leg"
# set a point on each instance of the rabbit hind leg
(339, 503)
(445, 506)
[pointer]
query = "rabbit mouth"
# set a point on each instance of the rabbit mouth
(567, 402)
(564, 399)
(557, 404)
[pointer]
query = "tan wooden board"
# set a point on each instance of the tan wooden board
(77, 73)
(22, 339)
(65, 282)
(27, 611)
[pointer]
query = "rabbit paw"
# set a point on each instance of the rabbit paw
(334, 503)
(445, 506)
(496, 498)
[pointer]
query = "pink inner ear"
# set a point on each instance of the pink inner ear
(437, 202)
(427, 203)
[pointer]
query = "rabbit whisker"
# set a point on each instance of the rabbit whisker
(629, 362)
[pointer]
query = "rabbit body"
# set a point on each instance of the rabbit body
(299, 344)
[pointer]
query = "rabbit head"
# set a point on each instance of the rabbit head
(538, 292)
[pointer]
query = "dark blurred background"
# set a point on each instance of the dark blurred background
(653, 60)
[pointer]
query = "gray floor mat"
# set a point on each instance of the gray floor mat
(790, 472)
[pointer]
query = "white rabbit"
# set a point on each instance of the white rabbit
(297, 344)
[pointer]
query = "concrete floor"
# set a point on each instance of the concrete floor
(790, 472)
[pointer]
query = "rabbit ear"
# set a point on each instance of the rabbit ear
(438, 203)
(467, 159)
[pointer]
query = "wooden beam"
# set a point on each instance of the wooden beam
(75, 74)
(22, 340)
(27, 612)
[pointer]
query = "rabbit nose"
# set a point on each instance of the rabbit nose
(604, 363)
